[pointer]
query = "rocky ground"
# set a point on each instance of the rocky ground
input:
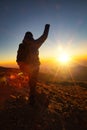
(59, 106)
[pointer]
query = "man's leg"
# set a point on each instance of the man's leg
(32, 84)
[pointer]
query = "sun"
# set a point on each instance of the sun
(63, 58)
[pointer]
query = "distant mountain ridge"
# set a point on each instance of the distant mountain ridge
(8, 69)
(77, 73)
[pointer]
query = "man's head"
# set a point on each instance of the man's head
(28, 35)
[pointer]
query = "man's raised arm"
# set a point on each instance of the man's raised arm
(44, 36)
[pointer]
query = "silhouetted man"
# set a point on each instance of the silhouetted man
(28, 58)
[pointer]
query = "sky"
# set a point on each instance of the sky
(68, 27)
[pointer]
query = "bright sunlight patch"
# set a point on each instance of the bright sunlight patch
(63, 58)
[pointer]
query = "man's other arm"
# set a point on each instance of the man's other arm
(44, 36)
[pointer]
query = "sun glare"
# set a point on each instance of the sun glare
(64, 58)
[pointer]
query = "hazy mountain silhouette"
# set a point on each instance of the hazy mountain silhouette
(78, 73)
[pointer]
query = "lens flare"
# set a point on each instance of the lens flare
(63, 58)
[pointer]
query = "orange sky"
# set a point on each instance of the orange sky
(51, 61)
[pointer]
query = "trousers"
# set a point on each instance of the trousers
(32, 70)
(33, 77)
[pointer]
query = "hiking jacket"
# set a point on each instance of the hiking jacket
(28, 51)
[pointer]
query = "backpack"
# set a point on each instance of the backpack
(21, 53)
(23, 59)
(27, 55)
